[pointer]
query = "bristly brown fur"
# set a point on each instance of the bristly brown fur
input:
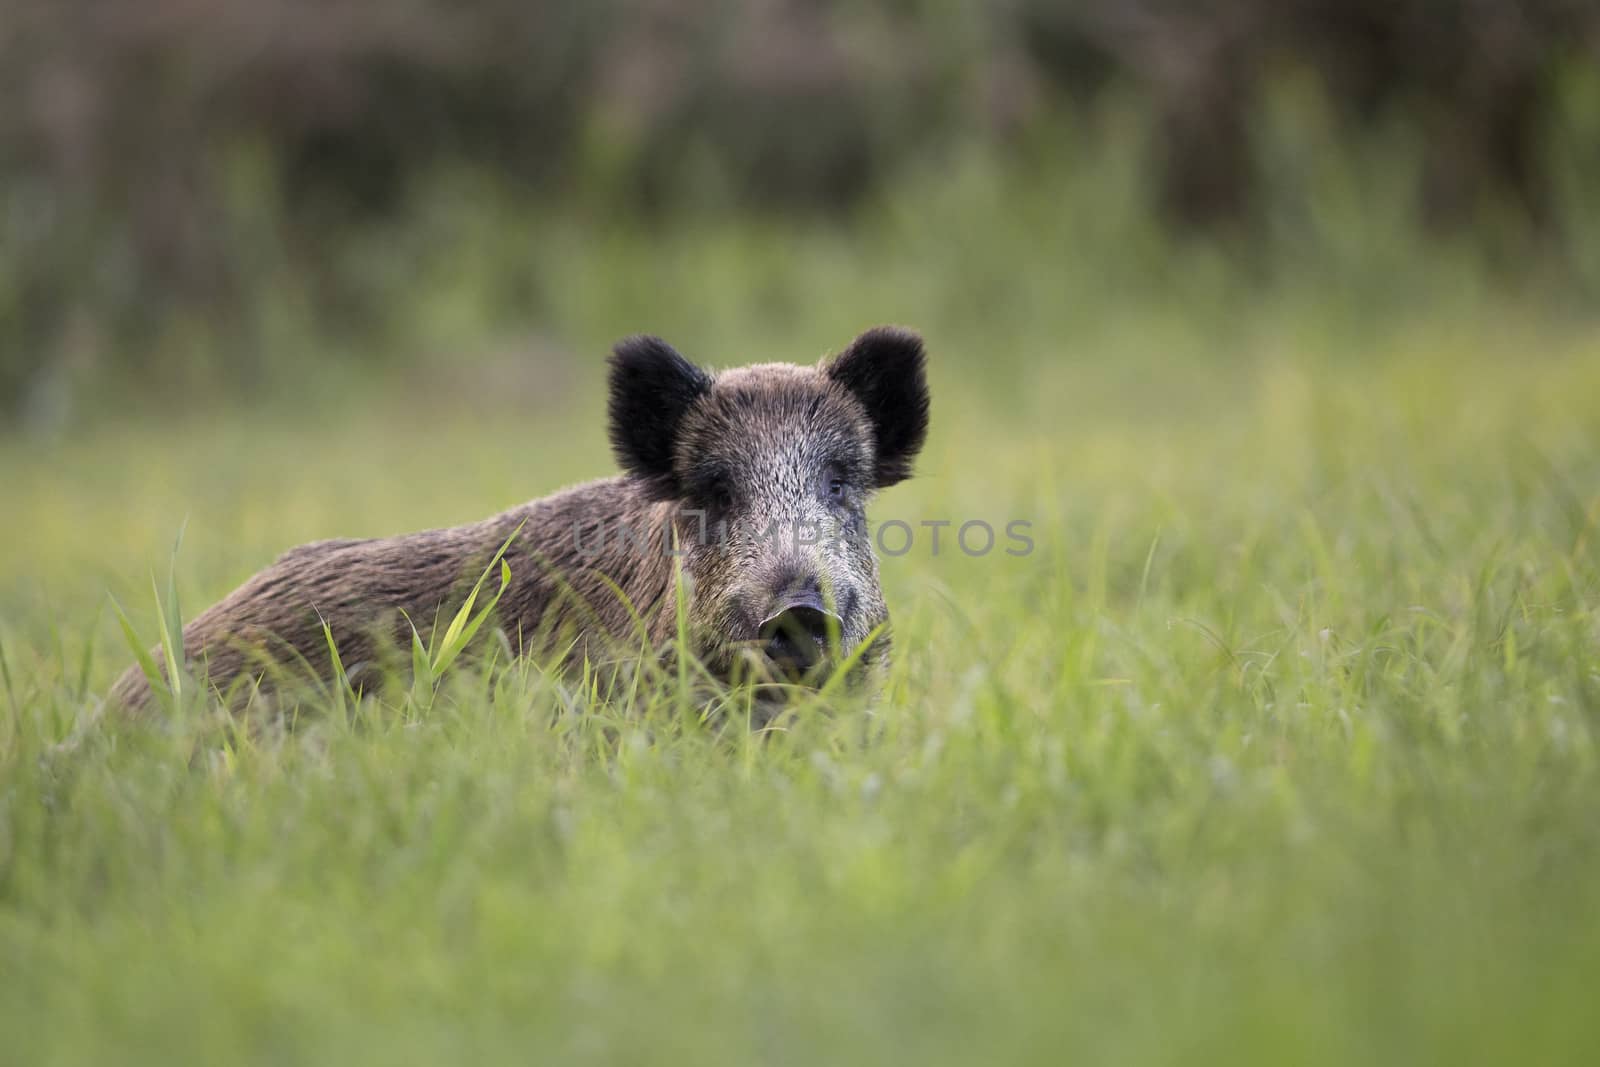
(370, 592)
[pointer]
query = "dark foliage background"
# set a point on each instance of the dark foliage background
(165, 163)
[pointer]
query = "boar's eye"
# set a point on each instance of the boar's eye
(834, 486)
(721, 495)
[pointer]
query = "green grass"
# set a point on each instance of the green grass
(1280, 747)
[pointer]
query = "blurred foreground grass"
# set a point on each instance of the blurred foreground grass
(1279, 747)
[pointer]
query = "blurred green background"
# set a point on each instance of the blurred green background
(225, 199)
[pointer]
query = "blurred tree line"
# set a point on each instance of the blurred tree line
(135, 136)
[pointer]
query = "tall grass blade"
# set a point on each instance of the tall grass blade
(344, 694)
(421, 670)
(461, 630)
(842, 672)
(171, 645)
(141, 655)
(87, 660)
(5, 675)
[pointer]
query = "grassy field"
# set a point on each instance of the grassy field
(1279, 747)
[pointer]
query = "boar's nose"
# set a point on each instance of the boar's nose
(795, 637)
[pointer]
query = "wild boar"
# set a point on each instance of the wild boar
(752, 483)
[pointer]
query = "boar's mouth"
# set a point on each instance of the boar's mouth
(798, 644)
(795, 665)
(797, 640)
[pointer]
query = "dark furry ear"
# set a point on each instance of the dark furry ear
(884, 369)
(651, 388)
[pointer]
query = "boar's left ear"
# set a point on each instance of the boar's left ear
(883, 368)
(651, 388)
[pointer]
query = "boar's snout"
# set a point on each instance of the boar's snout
(797, 635)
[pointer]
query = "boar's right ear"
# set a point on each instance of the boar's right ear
(651, 388)
(883, 369)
